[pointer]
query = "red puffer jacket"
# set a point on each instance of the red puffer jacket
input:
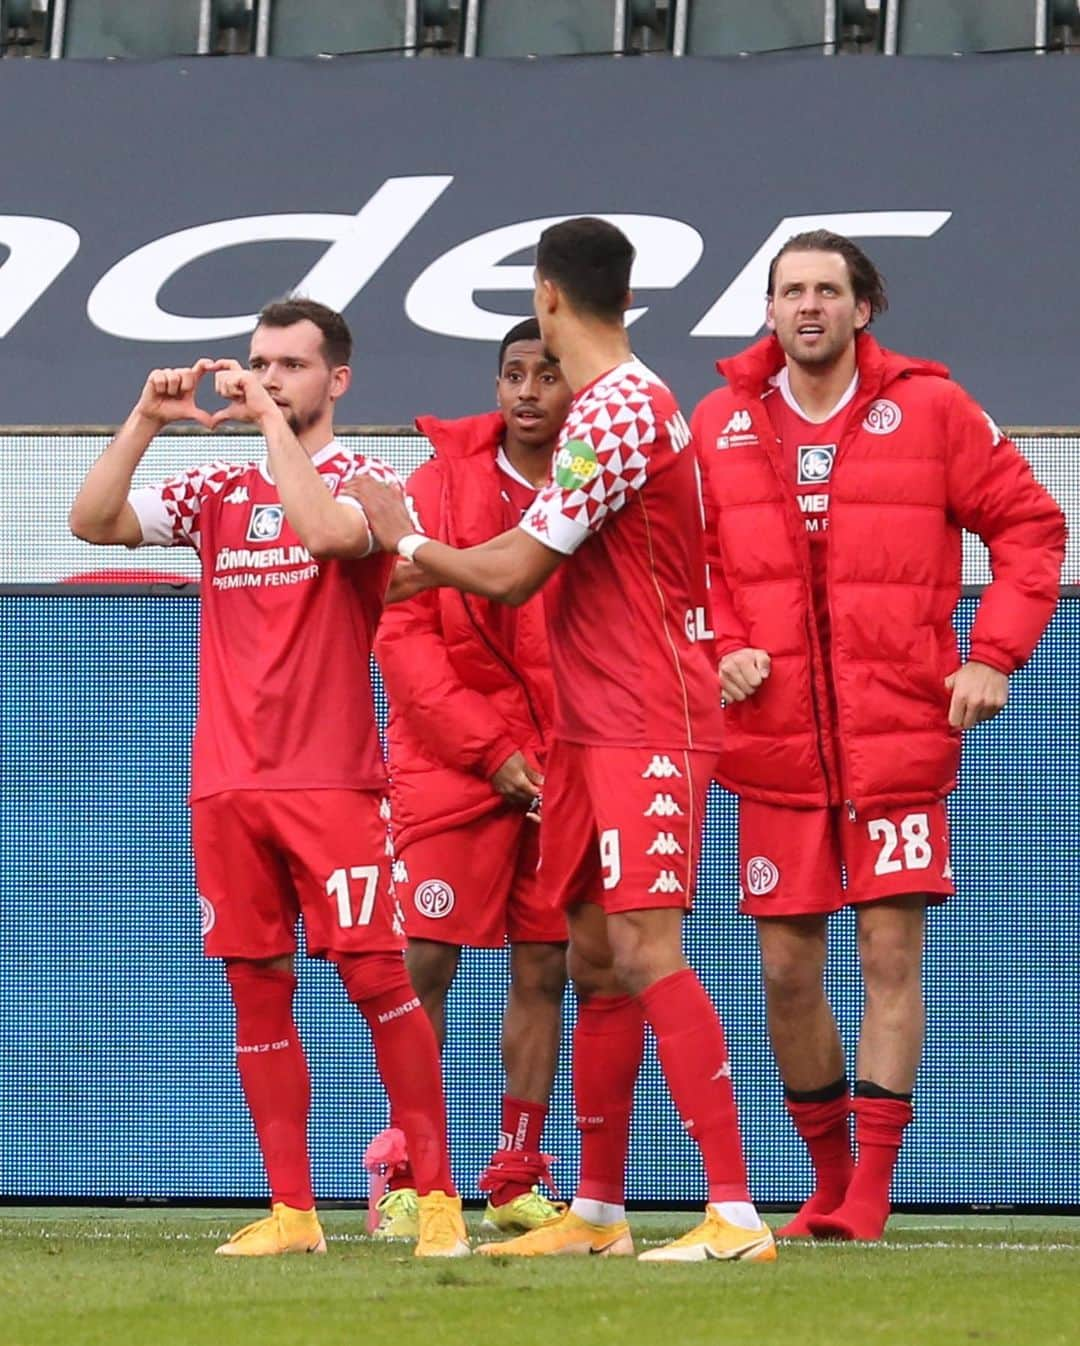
(469, 680)
(919, 462)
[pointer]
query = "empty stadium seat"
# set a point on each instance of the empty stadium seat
(16, 18)
(941, 27)
(308, 27)
(144, 28)
(550, 28)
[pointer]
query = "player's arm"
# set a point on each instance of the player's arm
(509, 568)
(993, 492)
(101, 512)
(327, 527)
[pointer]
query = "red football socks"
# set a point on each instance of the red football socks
(823, 1125)
(274, 1075)
(879, 1131)
(609, 1043)
(519, 1135)
(407, 1056)
(693, 1054)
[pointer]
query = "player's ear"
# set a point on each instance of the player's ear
(862, 314)
(628, 299)
(340, 381)
(770, 315)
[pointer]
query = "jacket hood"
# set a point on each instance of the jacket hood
(465, 437)
(749, 371)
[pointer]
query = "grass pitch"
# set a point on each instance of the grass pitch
(115, 1278)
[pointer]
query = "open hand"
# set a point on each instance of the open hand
(384, 504)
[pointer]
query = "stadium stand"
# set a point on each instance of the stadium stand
(526, 28)
(947, 27)
(150, 28)
(732, 27)
(314, 27)
(556, 28)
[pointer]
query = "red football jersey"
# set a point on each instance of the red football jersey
(285, 698)
(626, 615)
(809, 449)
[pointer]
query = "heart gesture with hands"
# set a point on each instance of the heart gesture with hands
(243, 390)
(169, 395)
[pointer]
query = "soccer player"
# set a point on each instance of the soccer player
(838, 478)
(470, 715)
(637, 727)
(287, 778)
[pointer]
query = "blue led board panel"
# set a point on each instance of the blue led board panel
(118, 1076)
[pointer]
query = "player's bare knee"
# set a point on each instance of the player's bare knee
(432, 967)
(538, 971)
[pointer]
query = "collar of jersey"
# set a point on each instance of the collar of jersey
(782, 382)
(323, 456)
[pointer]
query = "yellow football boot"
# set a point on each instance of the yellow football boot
(399, 1214)
(715, 1240)
(284, 1230)
(528, 1211)
(442, 1228)
(567, 1235)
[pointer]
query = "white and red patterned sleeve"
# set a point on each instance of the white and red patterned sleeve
(169, 511)
(380, 471)
(603, 458)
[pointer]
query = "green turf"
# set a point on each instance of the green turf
(75, 1277)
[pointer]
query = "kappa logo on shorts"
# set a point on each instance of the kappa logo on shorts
(434, 899)
(762, 876)
(663, 806)
(882, 417)
(265, 523)
(665, 843)
(660, 767)
(667, 881)
(207, 915)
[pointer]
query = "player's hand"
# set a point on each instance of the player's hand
(519, 783)
(169, 395)
(384, 504)
(243, 390)
(978, 693)
(406, 580)
(742, 672)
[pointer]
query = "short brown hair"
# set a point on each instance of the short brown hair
(866, 280)
(336, 337)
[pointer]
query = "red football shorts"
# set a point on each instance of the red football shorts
(264, 857)
(622, 826)
(807, 862)
(477, 885)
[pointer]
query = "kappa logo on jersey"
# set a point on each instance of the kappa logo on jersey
(739, 431)
(660, 768)
(815, 463)
(667, 881)
(237, 497)
(207, 915)
(537, 520)
(882, 417)
(678, 432)
(434, 898)
(665, 843)
(399, 872)
(762, 876)
(663, 806)
(265, 523)
(575, 465)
